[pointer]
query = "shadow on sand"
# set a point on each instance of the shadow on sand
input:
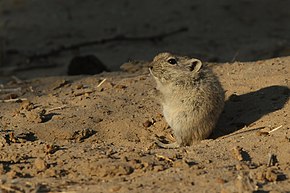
(243, 110)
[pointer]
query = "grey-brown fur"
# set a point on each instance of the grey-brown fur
(191, 96)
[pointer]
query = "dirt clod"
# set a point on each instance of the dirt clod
(51, 148)
(27, 105)
(3, 141)
(237, 153)
(147, 123)
(36, 115)
(40, 164)
(80, 135)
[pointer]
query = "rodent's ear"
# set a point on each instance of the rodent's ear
(195, 65)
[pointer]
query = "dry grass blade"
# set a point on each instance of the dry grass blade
(57, 108)
(7, 90)
(275, 129)
(102, 82)
(260, 133)
(13, 100)
(163, 157)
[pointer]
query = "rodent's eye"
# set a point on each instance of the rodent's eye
(172, 61)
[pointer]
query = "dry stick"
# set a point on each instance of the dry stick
(13, 100)
(2, 90)
(163, 157)
(118, 38)
(275, 129)
(57, 108)
(101, 82)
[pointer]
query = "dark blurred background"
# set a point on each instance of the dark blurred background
(41, 38)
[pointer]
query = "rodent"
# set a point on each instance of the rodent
(191, 96)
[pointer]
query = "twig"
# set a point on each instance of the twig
(164, 158)
(275, 129)
(4, 90)
(13, 100)
(57, 108)
(117, 38)
(268, 132)
(100, 84)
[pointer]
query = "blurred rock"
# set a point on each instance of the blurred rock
(88, 64)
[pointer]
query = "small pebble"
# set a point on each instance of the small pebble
(40, 164)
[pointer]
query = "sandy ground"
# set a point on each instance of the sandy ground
(96, 133)
(76, 134)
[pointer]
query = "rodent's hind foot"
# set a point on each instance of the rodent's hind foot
(167, 146)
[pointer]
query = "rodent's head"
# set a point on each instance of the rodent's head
(168, 67)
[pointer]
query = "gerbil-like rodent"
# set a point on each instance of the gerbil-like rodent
(191, 96)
